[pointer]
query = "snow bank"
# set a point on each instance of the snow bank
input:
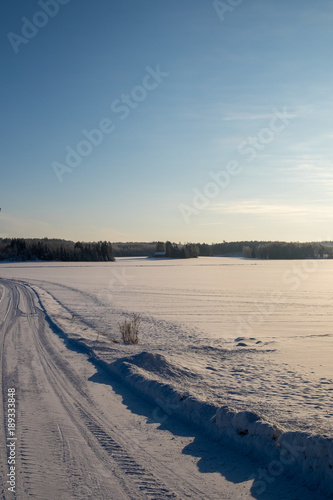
(294, 453)
(307, 456)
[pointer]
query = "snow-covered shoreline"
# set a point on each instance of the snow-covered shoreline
(296, 453)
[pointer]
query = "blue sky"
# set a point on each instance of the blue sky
(183, 92)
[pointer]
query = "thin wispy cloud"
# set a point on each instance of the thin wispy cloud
(253, 116)
(306, 167)
(256, 207)
(299, 111)
(308, 173)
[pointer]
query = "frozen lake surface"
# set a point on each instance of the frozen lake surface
(254, 334)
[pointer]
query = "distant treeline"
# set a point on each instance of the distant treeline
(19, 249)
(134, 249)
(281, 250)
(178, 251)
(171, 250)
(250, 249)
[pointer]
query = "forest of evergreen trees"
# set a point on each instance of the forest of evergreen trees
(247, 249)
(20, 250)
(133, 249)
(282, 250)
(178, 251)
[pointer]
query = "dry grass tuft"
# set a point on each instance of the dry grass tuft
(129, 330)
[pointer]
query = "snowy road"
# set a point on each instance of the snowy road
(81, 434)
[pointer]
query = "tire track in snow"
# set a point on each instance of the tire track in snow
(145, 481)
(71, 393)
(32, 472)
(47, 468)
(6, 307)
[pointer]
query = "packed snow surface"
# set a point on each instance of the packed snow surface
(234, 345)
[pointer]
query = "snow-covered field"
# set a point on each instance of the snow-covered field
(220, 337)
